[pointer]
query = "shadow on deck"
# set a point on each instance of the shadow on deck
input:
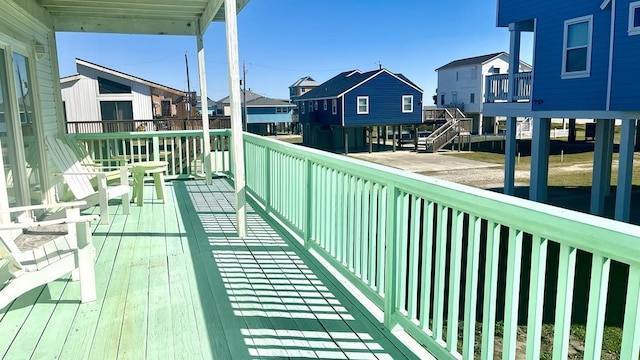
(175, 281)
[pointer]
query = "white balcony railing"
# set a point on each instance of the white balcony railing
(497, 87)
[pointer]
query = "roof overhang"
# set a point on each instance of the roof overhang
(163, 17)
(128, 77)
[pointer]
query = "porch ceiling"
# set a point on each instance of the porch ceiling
(170, 17)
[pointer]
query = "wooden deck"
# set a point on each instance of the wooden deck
(174, 281)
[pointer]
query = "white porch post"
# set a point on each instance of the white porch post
(625, 170)
(514, 59)
(510, 157)
(206, 160)
(539, 160)
(601, 183)
(231, 23)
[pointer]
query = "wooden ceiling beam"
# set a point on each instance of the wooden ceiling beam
(120, 25)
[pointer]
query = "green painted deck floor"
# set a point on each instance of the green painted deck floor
(174, 281)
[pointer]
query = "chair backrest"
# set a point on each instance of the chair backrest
(67, 162)
(81, 152)
(9, 250)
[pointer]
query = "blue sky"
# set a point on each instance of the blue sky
(281, 41)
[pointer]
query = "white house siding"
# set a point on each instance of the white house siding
(21, 32)
(80, 100)
(459, 80)
(140, 95)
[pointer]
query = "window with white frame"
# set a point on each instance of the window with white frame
(363, 104)
(302, 107)
(407, 103)
(315, 105)
(634, 18)
(334, 106)
(576, 54)
(325, 105)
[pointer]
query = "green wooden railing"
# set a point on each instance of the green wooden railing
(454, 266)
(181, 149)
(445, 260)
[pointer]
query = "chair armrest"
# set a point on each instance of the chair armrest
(88, 173)
(27, 225)
(121, 161)
(70, 204)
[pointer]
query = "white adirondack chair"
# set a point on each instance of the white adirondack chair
(38, 252)
(78, 177)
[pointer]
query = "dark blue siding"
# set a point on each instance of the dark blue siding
(320, 116)
(513, 11)
(385, 103)
(625, 94)
(550, 91)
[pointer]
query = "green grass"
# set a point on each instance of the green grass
(563, 157)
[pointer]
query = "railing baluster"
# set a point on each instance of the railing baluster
(382, 234)
(332, 194)
(391, 201)
(440, 274)
(471, 288)
(455, 266)
(536, 296)
(308, 208)
(373, 224)
(512, 291)
(631, 326)
(490, 290)
(402, 244)
(597, 305)
(366, 218)
(414, 256)
(564, 298)
(328, 203)
(357, 229)
(350, 225)
(454, 280)
(427, 261)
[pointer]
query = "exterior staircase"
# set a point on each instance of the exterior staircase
(456, 124)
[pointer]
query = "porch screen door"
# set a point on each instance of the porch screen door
(28, 127)
(7, 141)
(20, 147)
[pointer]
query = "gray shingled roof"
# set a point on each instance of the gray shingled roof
(344, 81)
(265, 101)
(471, 61)
(305, 81)
(257, 100)
(250, 96)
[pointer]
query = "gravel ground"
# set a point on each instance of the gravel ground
(485, 178)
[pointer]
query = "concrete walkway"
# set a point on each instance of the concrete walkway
(422, 162)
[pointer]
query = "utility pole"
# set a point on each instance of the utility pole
(244, 98)
(188, 107)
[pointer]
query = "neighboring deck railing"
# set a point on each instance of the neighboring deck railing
(440, 258)
(497, 87)
(445, 134)
(171, 124)
(181, 149)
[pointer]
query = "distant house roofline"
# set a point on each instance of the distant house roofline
(257, 100)
(403, 79)
(305, 81)
(477, 60)
(127, 76)
(340, 84)
(74, 77)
